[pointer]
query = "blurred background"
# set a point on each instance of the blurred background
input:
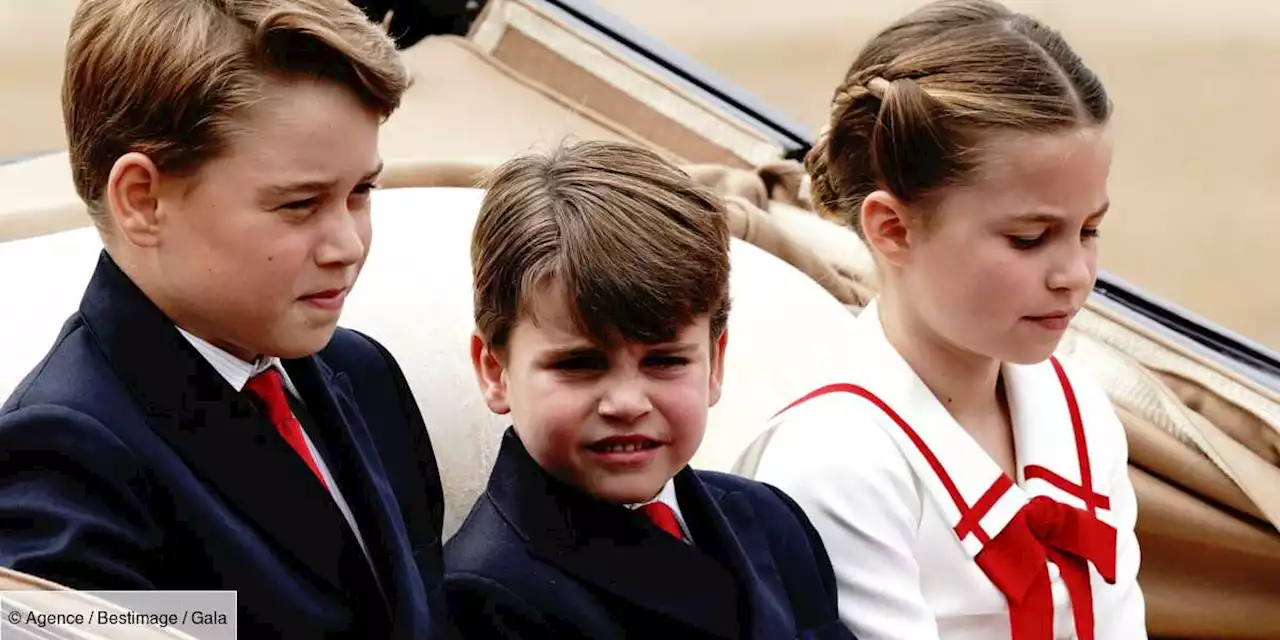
(1196, 181)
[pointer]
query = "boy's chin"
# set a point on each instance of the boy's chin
(303, 343)
(628, 491)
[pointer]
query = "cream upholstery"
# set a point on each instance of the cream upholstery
(42, 279)
(415, 297)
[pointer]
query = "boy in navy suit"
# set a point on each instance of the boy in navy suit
(200, 423)
(601, 299)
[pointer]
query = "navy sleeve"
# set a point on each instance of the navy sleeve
(71, 502)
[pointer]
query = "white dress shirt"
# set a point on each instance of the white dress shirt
(237, 373)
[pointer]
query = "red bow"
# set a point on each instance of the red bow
(1015, 562)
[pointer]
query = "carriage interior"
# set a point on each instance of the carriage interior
(1203, 430)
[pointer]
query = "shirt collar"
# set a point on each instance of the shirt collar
(235, 371)
(668, 497)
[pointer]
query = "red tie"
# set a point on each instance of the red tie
(664, 517)
(269, 387)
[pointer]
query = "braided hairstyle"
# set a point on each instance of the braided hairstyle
(922, 93)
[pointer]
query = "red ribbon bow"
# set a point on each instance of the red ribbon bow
(1047, 530)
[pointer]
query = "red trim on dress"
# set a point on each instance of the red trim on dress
(1043, 530)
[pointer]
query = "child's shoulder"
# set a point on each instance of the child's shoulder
(497, 586)
(776, 518)
(364, 361)
(350, 347)
(1083, 382)
(1104, 431)
(828, 434)
(770, 504)
(489, 564)
(74, 373)
(482, 539)
(729, 482)
(489, 544)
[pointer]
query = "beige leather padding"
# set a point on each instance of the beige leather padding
(546, 47)
(38, 197)
(11, 580)
(465, 106)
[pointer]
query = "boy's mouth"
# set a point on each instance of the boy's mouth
(331, 299)
(624, 444)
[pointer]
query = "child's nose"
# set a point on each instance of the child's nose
(345, 241)
(625, 402)
(1075, 272)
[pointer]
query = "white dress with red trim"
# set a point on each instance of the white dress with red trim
(930, 539)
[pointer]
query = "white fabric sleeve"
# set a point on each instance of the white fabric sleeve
(852, 482)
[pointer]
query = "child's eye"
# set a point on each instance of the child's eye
(1089, 233)
(581, 363)
(666, 362)
(1024, 243)
(300, 205)
(364, 189)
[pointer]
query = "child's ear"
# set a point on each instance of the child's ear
(133, 199)
(717, 367)
(885, 226)
(489, 369)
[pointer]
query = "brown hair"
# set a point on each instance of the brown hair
(169, 78)
(920, 95)
(640, 248)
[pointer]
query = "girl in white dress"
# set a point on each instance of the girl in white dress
(968, 484)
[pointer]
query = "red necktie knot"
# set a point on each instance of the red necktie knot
(269, 387)
(664, 517)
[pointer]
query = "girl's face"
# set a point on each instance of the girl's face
(1006, 260)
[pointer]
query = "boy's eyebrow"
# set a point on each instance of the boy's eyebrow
(676, 347)
(318, 185)
(571, 351)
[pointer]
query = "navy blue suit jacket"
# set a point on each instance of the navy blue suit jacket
(537, 558)
(127, 462)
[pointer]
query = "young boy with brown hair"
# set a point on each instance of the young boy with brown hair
(200, 422)
(601, 300)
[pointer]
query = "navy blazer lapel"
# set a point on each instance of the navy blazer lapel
(611, 547)
(218, 431)
(355, 465)
(743, 549)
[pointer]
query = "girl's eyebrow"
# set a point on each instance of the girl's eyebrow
(1053, 217)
